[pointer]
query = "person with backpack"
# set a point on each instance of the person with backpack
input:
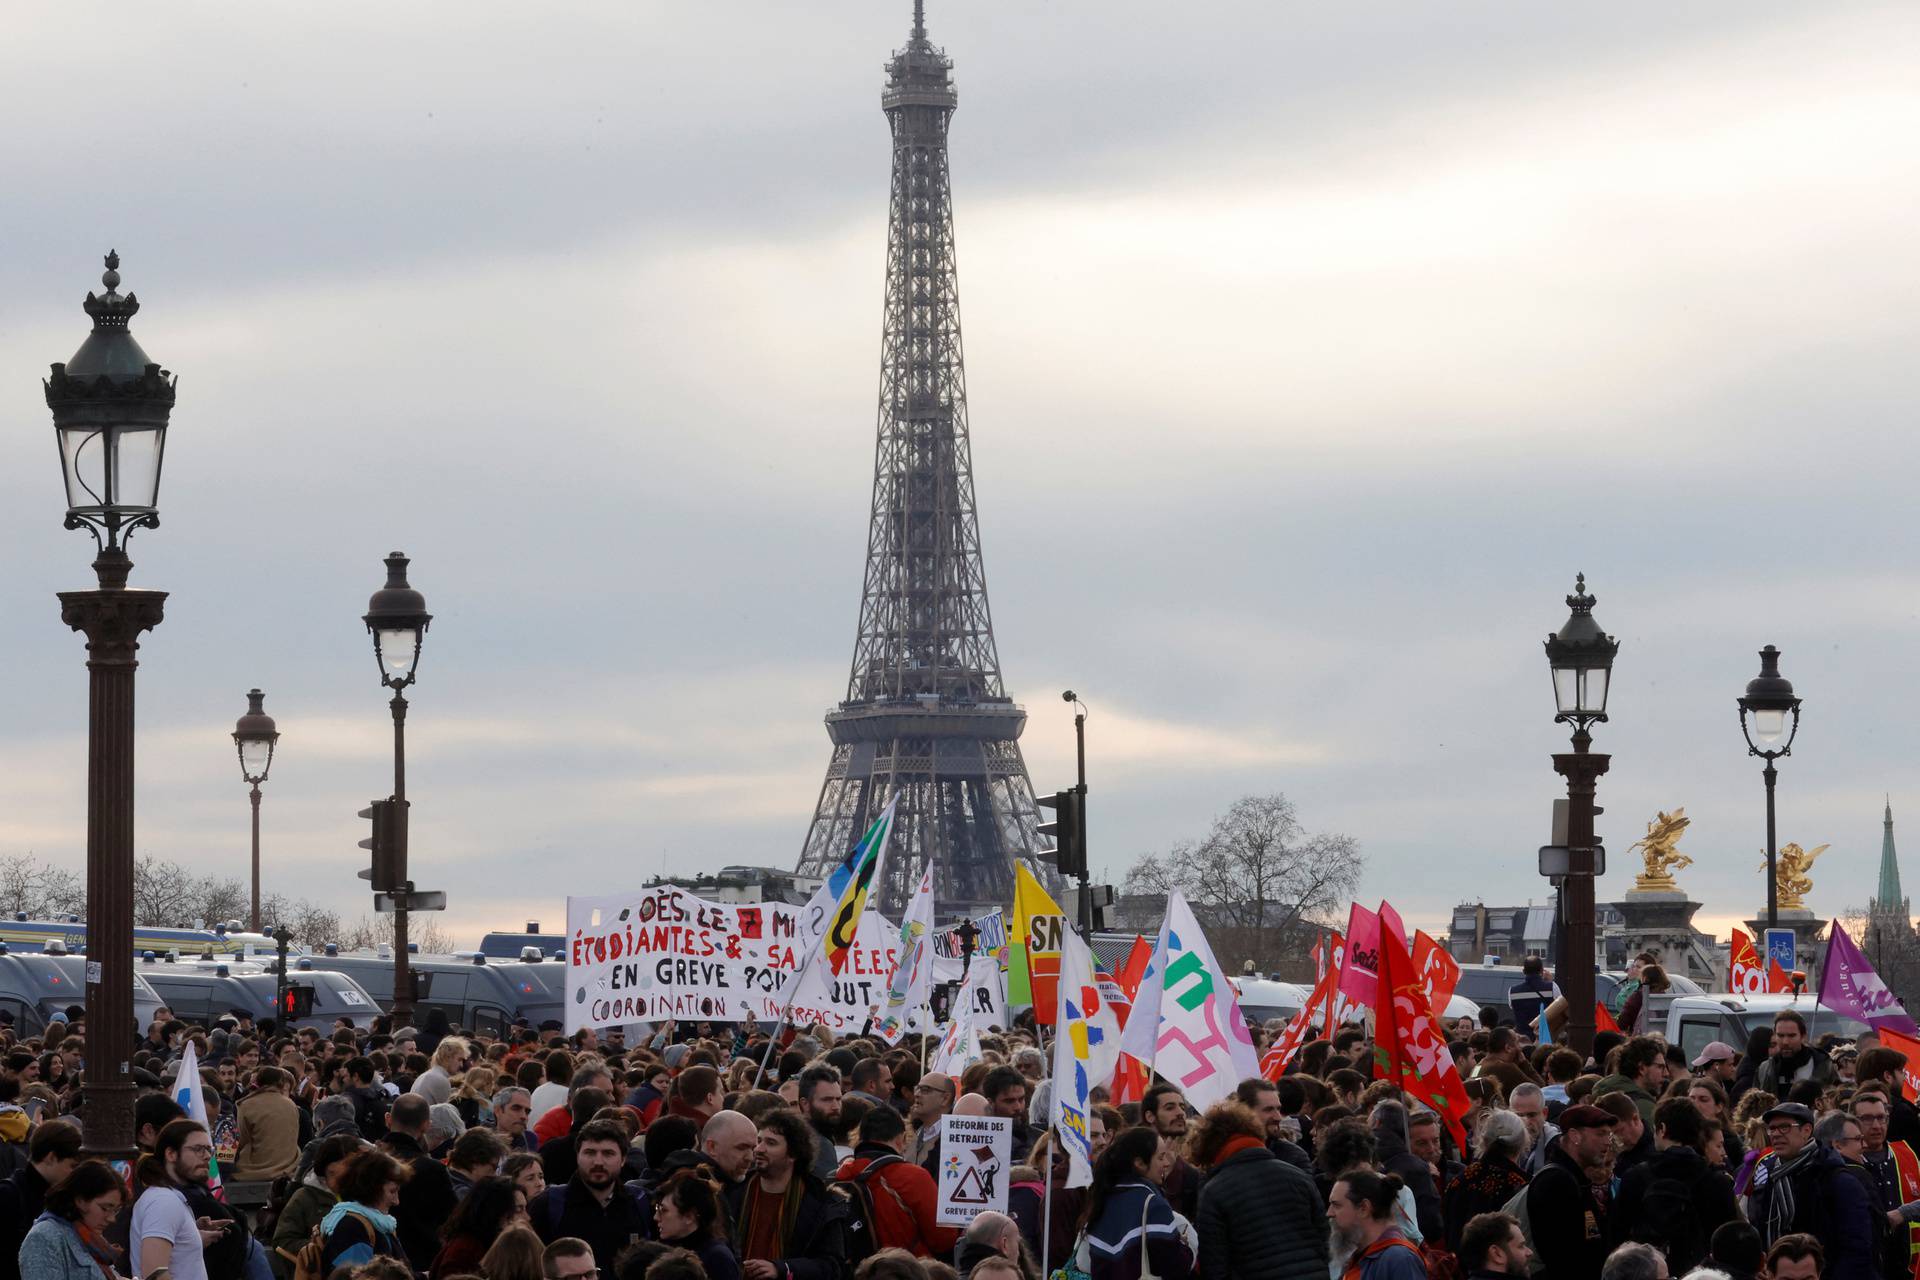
(1564, 1210)
(1675, 1200)
(1361, 1211)
(892, 1200)
(361, 1226)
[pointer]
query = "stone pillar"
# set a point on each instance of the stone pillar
(1661, 921)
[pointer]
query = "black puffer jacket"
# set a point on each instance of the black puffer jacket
(1261, 1219)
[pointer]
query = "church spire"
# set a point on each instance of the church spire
(1889, 900)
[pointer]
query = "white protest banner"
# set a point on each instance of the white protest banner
(985, 992)
(844, 1002)
(976, 1153)
(663, 953)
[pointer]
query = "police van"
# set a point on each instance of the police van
(475, 993)
(35, 987)
(203, 990)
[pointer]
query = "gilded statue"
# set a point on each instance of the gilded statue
(1790, 874)
(1658, 852)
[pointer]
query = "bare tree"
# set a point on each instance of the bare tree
(167, 895)
(163, 894)
(1260, 884)
(370, 932)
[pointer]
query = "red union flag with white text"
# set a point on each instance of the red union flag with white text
(1745, 974)
(1411, 1053)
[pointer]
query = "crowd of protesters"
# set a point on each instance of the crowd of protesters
(420, 1152)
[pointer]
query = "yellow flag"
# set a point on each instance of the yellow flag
(1033, 949)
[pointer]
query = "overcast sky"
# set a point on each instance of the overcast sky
(1312, 349)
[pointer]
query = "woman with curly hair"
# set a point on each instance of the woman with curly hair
(1492, 1180)
(1749, 1123)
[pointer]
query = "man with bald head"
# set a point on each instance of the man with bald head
(931, 1099)
(989, 1235)
(972, 1104)
(727, 1142)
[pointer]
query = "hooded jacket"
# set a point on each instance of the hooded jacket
(1392, 1155)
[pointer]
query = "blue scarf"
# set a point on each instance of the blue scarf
(383, 1221)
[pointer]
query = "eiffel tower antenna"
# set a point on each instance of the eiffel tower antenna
(926, 713)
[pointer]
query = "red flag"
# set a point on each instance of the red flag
(1910, 1073)
(1439, 970)
(1359, 965)
(1778, 983)
(1441, 973)
(1130, 1075)
(1602, 1020)
(1745, 974)
(1391, 925)
(1135, 968)
(1328, 956)
(1274, 1064)
(1411, 1054)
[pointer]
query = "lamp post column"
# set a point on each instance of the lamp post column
(255, 798)
(1771, 774)
(402, 973)
(112, 618)
(1582, 769)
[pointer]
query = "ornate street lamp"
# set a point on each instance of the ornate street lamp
(397, 618)
(1581, 656)
(254, 737)
(1764, 711)
(110, 406)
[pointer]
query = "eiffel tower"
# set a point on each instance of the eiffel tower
(926, 714)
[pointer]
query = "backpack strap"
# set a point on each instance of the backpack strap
(874, 1166)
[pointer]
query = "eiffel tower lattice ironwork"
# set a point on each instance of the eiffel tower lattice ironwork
(926, 714)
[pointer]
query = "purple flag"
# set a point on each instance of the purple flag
(1849, 985)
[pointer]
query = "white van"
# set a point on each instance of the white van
(1261, 1000)
(1694, 1022)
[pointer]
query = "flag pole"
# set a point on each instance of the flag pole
(786, 1011)
(1046, 1207)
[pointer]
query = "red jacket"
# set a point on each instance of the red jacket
(557, 1123)
(903, 1203)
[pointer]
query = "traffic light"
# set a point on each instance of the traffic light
(296, 1002)
(1068, 830)
(383, 843)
